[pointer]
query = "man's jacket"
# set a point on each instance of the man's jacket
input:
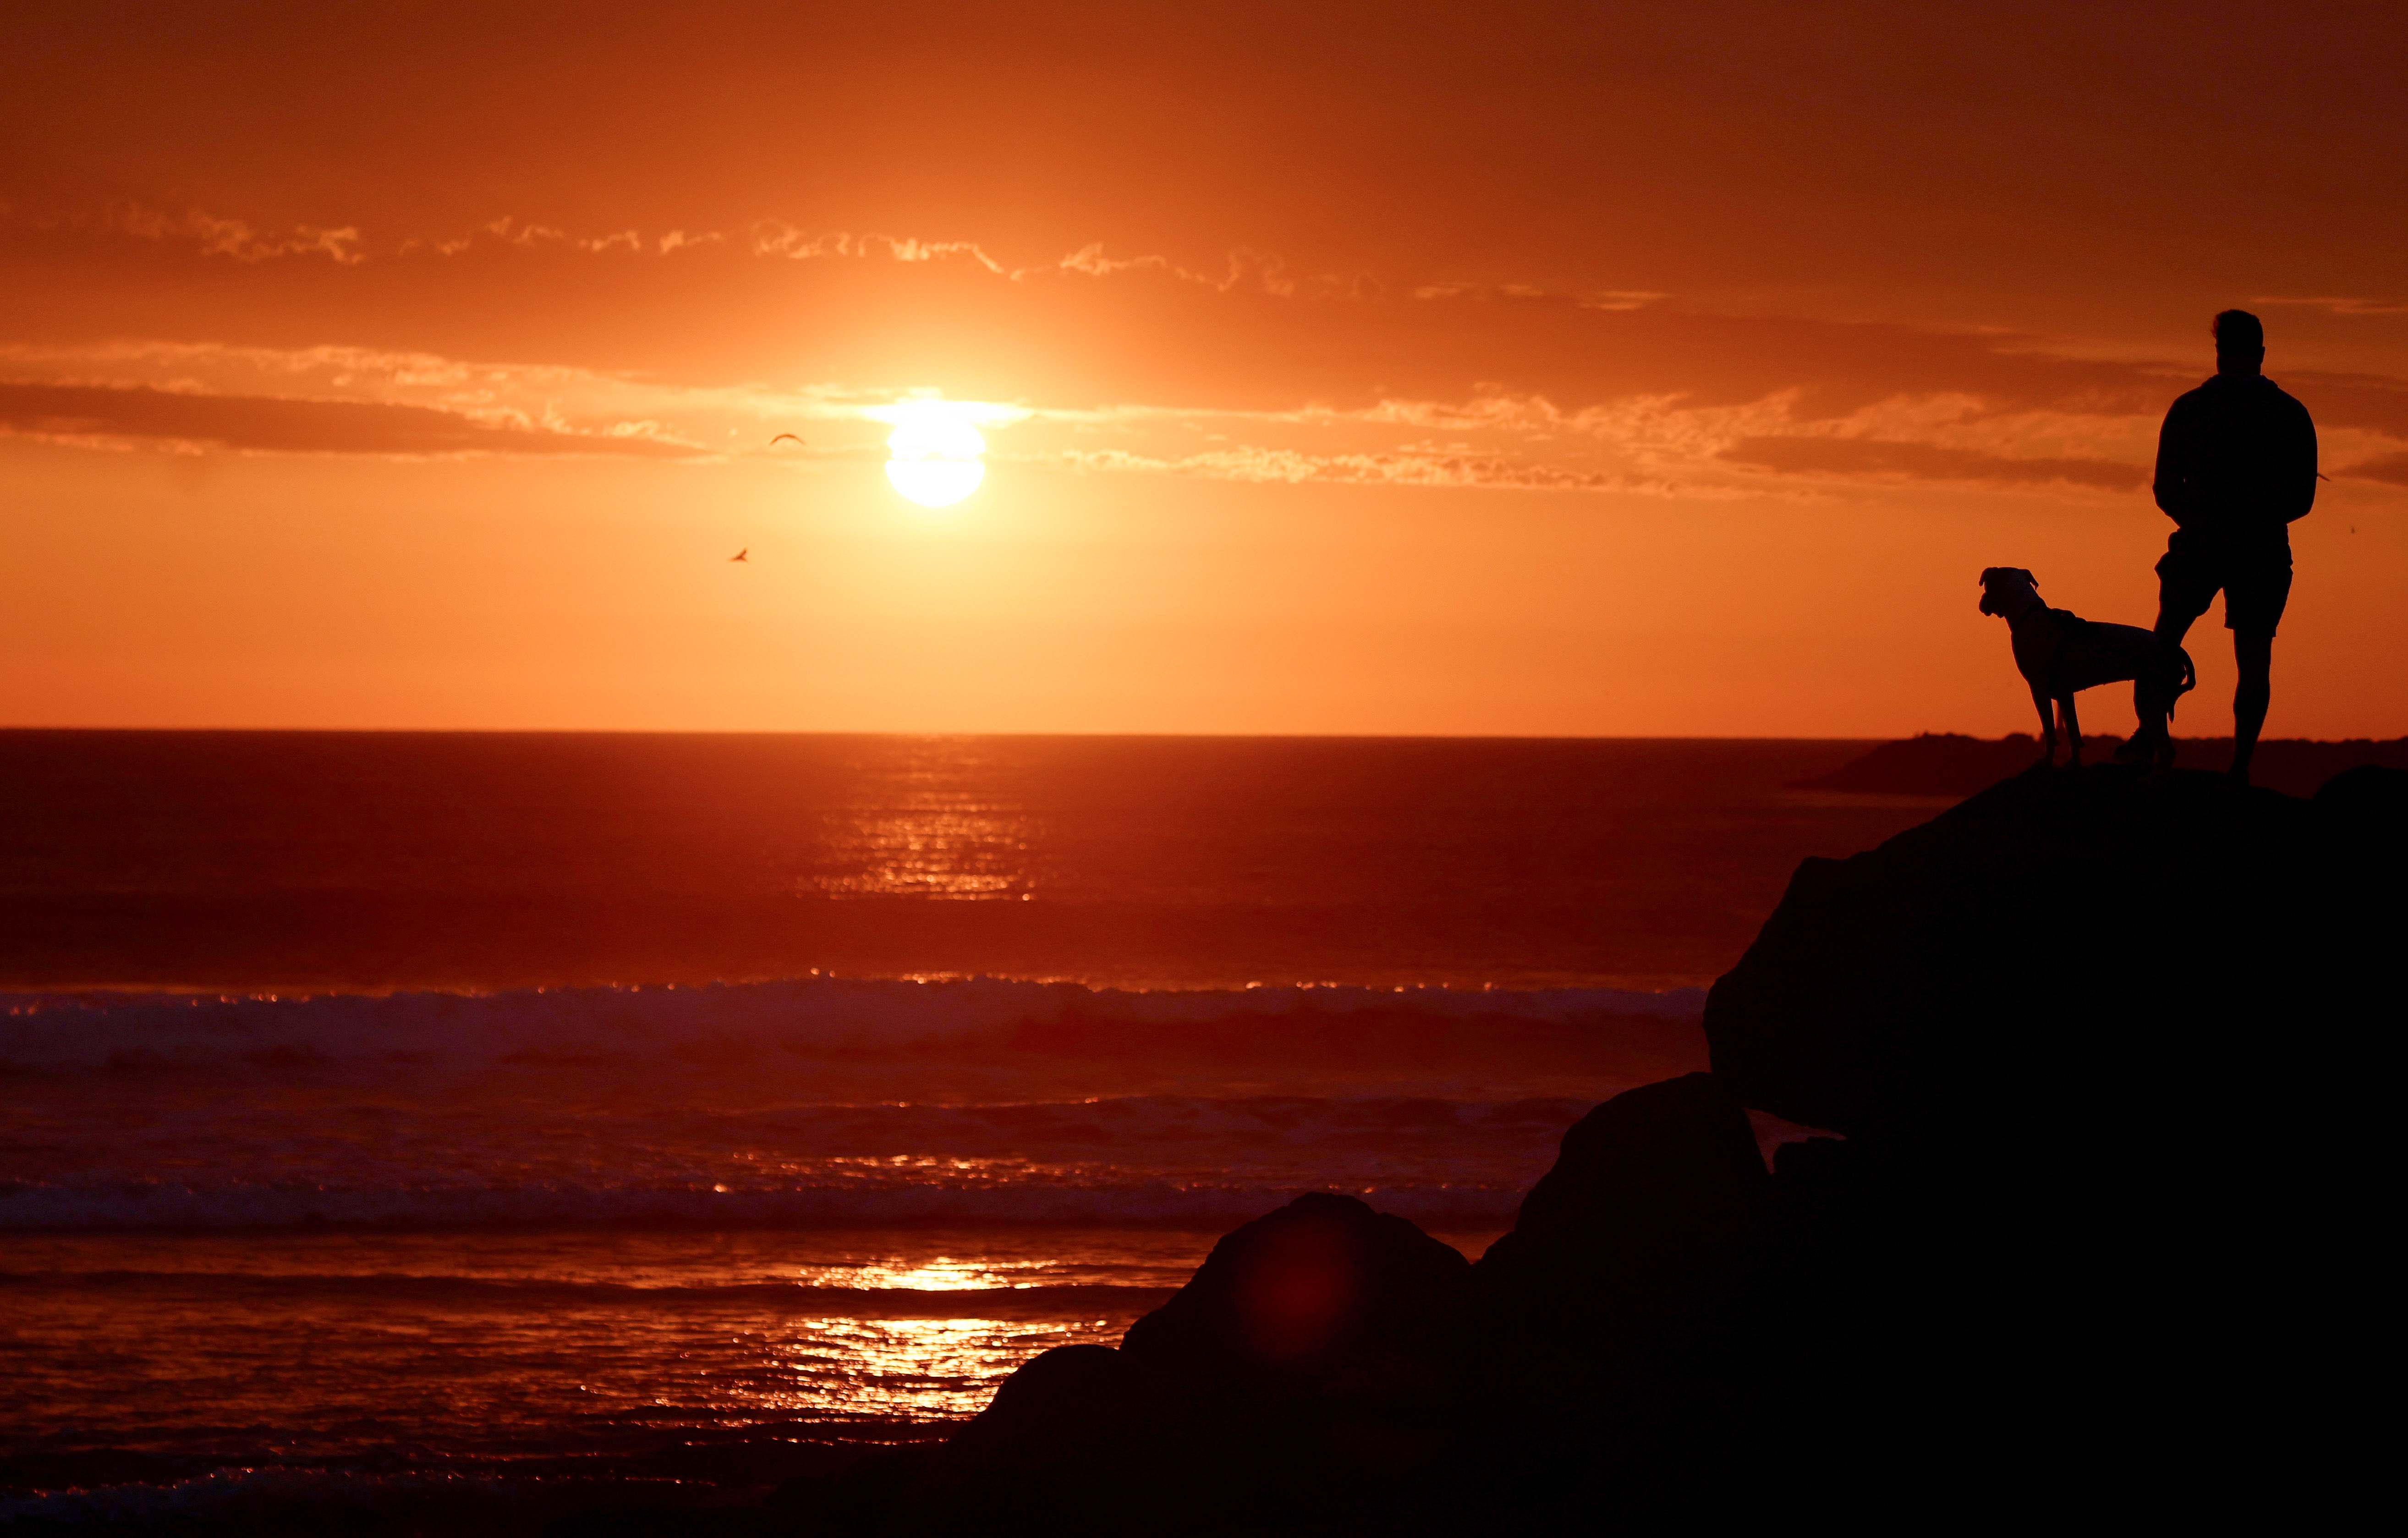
(2237, 458)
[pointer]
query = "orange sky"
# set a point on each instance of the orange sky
(1571, 369)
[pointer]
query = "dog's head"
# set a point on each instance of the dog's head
(2001, 582)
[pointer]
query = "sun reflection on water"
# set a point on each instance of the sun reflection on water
(469, 1336)
(938, 1369)
(942, 1275)
(934, 832)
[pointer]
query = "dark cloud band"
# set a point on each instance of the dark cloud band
(291, 426)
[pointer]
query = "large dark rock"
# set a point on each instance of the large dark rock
(1298, 1383)
(2365, 819)
(1631, 1243)
(1065, 1446)
(2102, 1182)
(1613, 1320)
(1323, 1297)
(2028, 961)
(1071, 1399)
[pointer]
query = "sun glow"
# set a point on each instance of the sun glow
(936, 451)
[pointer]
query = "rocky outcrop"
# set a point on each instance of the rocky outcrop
(2090, 1233)
(1940, 764)
(2365, 813)
(2075, 1030)
(1323, 1297)
(1629, 1244)
(1301, 1381)
(1948, 764)
(2046, 950)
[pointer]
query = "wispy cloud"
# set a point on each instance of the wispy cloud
(373, 401)
(211, 235)
(363, 400)
(1235, 373)
(1404, 467)
(780, 239)
(2390, 468)
(1508, 293)
(214, 235)
(368, 401)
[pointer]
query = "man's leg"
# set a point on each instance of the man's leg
(2178, 605)
(2151, 705)
(2253, 653)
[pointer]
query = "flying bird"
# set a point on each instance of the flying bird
(741, 554)
(784, 436)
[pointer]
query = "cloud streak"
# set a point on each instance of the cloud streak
(1099, 363)
(106, 415)
(1407, 468)
(211, 235)
(1858, 459)
(2391, 469)
(370, 402)
(214, 235)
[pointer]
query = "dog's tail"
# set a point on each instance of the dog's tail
(2183, 685)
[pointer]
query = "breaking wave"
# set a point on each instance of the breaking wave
(51, 1031)
(819, 1101)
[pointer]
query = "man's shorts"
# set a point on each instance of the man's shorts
(2255, 577)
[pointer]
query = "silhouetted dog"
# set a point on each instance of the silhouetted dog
(2060, 654)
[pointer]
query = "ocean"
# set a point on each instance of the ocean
(458, 1129)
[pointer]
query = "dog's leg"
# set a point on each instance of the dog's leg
(2047, 728)
(2072, 729)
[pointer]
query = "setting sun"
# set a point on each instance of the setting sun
(936, 453)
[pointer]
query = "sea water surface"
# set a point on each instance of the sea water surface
(385, 1117)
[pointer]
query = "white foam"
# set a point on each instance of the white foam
(128, 1205)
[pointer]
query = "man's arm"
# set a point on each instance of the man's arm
(2173, 486)
(2298, 486)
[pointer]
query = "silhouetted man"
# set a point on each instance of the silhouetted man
(2236, 463)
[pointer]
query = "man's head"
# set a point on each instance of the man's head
(2240, 342)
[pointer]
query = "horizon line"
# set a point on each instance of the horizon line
(14, 730)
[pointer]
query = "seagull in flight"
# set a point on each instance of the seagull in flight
(784, 436)
(741, 554)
